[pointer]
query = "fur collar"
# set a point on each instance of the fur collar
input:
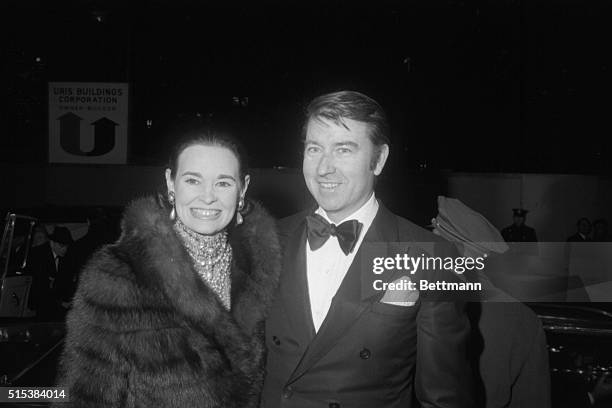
(159, 261)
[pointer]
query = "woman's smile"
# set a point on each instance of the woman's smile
(204, 213)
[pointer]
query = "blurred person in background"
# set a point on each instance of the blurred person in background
(583, 233)
(600, 231)
(81, 251)
(46, 262)
(518, 231)
(508, 344)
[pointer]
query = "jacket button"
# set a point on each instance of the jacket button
(287, 392)
(276, 340)
(334, 405)
(365, 354)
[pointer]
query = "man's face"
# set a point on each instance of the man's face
(600, 229)
(518, 220)
(337, 165)
(584, 227)
(59, 249)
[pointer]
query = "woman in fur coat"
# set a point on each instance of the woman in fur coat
(171, 315)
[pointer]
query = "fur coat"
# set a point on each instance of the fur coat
(146, 331)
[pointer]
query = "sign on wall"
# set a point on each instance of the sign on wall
(88, 122)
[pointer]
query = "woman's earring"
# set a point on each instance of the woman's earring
(239, 219)
(171, 200)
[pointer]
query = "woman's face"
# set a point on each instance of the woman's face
(207, 187)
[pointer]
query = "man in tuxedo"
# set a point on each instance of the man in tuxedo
(583, 231)
(332, 340)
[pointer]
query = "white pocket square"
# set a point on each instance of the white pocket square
(399, 294)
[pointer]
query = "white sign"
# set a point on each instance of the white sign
(88, 122)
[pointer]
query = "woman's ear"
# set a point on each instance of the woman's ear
(245, 186)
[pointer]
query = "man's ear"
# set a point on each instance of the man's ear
(169, 181)
(383, 153)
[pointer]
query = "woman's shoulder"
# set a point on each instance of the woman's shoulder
(145, 215)
(112, 267)
(107, 277)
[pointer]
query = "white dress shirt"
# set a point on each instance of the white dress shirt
(327, 266)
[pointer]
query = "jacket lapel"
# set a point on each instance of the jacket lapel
(294, 286)
(352, 298)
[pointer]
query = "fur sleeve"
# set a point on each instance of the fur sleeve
(94, 368)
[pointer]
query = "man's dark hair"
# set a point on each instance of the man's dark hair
(341, 105)
(585, 219)
(600, 221)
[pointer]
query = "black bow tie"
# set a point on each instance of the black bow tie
(319, 231)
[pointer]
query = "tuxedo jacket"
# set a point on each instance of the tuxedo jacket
(367, 353)
(45, 296)
(578, 238)
(41, 266)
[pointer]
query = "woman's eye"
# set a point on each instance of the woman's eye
(192, 181)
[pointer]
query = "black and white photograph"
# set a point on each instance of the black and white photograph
(306, 204)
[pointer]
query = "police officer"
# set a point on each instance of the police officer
(518, 231)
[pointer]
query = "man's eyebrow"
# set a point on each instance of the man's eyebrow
(307, 142)
(347, 143)
(192, 173)
(225, 176)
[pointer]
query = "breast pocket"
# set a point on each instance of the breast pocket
(389, 333)
(391, 310)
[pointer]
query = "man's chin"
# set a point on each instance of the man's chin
(327, 204)
(331, 210)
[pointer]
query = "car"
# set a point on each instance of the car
(30, 347)
(579, 338)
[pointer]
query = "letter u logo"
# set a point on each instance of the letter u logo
(70, 135)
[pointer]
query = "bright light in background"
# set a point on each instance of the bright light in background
(240, 101)
(99, 15)
(149, 123)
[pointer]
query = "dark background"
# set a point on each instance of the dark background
(484, 86)
(491, 86)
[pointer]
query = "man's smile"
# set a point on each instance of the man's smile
(328, 185)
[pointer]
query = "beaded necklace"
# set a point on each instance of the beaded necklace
(212, 258)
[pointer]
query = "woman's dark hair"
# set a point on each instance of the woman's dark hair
(206, 135)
